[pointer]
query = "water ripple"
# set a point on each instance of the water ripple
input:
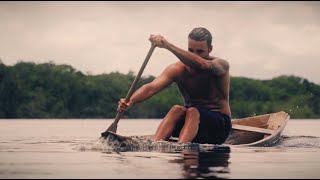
(298, 142)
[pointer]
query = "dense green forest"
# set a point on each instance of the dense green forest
(47, 90)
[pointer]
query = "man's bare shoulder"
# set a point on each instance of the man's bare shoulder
(223, 62)
(177, 67)
(173, 71)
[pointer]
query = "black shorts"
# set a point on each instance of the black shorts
(214, 127)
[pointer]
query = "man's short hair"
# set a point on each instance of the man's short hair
(201, 34)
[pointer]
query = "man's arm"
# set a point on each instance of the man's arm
(217, 66)
(148, 90)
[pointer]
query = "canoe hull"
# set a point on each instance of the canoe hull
(262, 130)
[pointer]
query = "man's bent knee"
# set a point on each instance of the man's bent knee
(192, 110)
(193, 115)
(179, 109)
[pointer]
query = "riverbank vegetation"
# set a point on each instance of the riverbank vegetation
(47, 90)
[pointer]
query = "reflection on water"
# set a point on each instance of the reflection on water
(210, 164)
(197, 160)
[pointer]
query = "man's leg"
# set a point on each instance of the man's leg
(191, 126)
(169, 122)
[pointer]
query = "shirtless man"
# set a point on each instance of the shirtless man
(203, 81)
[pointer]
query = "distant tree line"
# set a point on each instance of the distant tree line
(47, 90)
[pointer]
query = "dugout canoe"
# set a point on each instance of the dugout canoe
(261, 130)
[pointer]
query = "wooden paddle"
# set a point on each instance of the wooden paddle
(113, 126)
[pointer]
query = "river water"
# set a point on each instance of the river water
(72, 148)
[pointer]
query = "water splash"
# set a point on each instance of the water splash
(146, 144)
(97, 145)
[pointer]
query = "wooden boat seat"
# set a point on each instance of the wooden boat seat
(252, 129)
(274, 120)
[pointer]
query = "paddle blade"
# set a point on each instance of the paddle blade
(116, 137)
(112, 128)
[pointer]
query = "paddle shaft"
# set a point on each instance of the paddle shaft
(133, 85)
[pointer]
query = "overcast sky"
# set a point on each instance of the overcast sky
(260, 40)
